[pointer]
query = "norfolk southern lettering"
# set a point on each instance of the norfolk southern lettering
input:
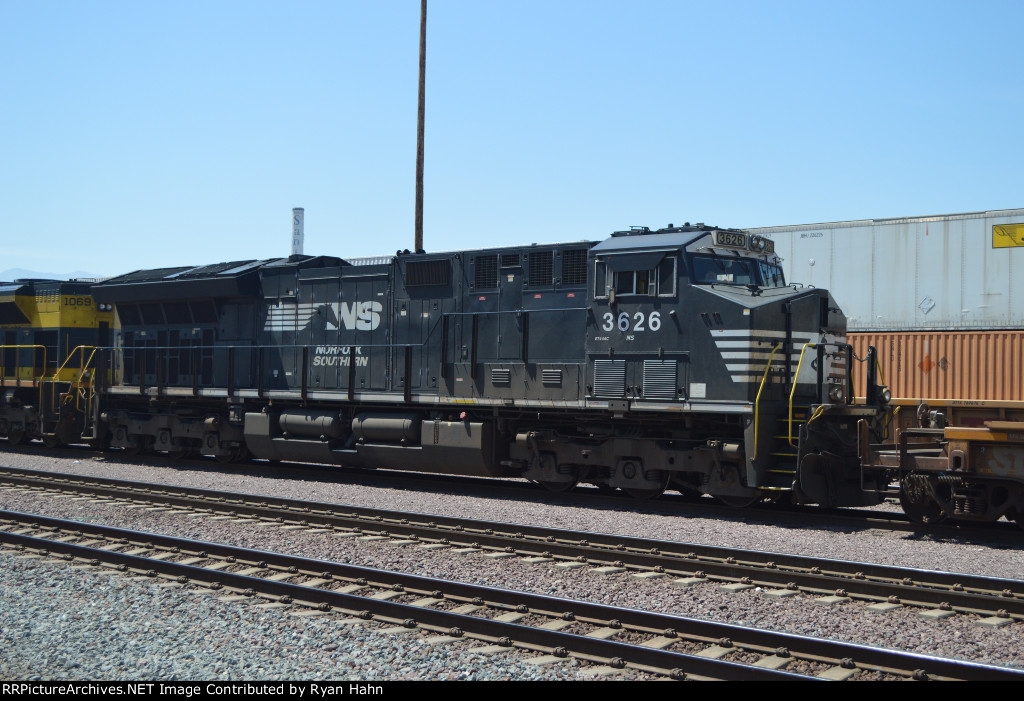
(338, 356)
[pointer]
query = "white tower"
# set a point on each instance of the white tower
(298, 230)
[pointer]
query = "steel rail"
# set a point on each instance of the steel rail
(966, 593)
(854, 517)
(829, 652)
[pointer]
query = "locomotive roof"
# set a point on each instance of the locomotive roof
(30, 285)
(217, 270)
(228, 279)
(641, 241)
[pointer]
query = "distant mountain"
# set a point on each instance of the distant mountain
(22, 273)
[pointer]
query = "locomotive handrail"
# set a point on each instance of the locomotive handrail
(17, 366)
(254, 346)
(792, 392)
(757, 399)
(878, 365)
(82, 366)
(17, 370)
(75, 383)
(89, 385)
(517, 311)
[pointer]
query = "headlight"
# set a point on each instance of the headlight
(836, 393)
(885, 395)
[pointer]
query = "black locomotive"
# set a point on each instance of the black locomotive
(678, 358)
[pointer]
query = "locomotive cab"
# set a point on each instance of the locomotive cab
(701, 320)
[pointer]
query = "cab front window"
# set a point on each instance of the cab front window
(725, 271)
(772, 275)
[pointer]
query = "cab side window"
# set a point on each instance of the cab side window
(657, 281)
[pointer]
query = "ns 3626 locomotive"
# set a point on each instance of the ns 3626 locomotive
(670, 359)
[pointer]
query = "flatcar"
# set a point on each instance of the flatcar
(677, 358)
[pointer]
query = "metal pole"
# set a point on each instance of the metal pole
(419, 127)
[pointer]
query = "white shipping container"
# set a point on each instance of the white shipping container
(954, 271)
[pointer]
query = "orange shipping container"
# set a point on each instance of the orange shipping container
(979, 365)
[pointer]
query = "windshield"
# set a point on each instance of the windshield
(772, 275)
(725, 271)
(719, 270)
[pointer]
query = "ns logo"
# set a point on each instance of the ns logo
(357, 316)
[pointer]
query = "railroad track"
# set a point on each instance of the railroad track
(993, 601)
(447, 612)
(668, 504)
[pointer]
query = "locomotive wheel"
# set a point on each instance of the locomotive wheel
(140, 446)
(237, 455)
(102, 443)
(918, 500)
(180, 453)
(17, 436)
(648, 492)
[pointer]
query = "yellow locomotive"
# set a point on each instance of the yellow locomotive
(49, 332)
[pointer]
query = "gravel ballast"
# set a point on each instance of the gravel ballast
(87, 625)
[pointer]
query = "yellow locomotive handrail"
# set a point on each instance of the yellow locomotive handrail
(18, 368)
(50, 379)
(792, 393)
(82, 366)
(78, 383)
(757, 399)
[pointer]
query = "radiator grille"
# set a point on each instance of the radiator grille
(660, 379)
(428, 273)
(486, 272)
(551, 377)
(574, 267)
(609, 379)
(541, 268)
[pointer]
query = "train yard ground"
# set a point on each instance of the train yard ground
(962, 635)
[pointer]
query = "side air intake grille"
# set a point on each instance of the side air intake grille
(660, 379)
(551, 377)
(501, 376)
(609, 379)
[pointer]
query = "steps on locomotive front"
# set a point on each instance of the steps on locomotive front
(785, 454)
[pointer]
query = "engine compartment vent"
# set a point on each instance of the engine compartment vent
(501, 377)
(610, 379)
(660, 379)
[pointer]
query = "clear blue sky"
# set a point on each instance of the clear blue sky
(145, 134)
